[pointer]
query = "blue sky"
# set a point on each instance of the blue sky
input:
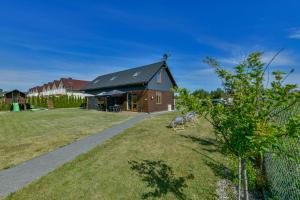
(44, 40)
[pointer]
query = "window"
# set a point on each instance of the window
(113, 78)
(158, 97)
(159, 77)
(136, 74)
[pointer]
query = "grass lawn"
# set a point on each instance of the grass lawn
(147, 161)
(26, 135)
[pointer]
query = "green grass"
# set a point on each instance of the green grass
(26, 135)
(147, 161)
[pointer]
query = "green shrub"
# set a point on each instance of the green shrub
(4, 106)
(58, 102)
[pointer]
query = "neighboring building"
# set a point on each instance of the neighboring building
(142, 89)
(15, 96)
(64, 86)
(1, 93)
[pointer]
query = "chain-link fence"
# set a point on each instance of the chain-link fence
(283, 171)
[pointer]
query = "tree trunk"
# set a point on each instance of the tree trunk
(260, 172)
(239, 178)
(244, 168)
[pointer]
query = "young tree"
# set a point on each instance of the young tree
(246, 128)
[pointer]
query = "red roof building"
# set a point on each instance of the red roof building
(64, 86)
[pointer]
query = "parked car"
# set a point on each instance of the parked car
(218, 101)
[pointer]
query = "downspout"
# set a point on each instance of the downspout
(146, 88)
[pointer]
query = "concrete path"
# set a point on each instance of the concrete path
(17, 177)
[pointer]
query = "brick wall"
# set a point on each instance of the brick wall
(166, 99)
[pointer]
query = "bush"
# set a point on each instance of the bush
(58, 102)
(4, 106)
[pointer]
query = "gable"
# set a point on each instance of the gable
(167, 82)
(44, 87)
(61, 85)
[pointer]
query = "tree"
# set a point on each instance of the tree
(217, 94)
(201, 93)
(246, 128)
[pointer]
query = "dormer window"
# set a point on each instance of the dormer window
(113, 78)
(136, 74)
(159, 77)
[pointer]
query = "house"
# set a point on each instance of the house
(64, 86)
(141, 89)
(15, 96)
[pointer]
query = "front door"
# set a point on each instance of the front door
(132, 100)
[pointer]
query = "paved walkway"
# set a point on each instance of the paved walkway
(17, 177)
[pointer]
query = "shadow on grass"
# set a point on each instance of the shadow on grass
(206, 142)
(210, 146)
(210, 143)
(159, 176)
(219, 169)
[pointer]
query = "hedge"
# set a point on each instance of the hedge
(4, 106)
(58, 102)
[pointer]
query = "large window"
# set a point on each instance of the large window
(159, 77)
(158, 98)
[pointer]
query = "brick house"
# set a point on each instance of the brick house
(141, 89)
(15, 96)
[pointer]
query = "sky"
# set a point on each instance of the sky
(41, 41)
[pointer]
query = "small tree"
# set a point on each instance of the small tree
(245, 127)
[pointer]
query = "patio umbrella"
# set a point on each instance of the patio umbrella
(102, 94)
(115, 93)
(88, 95)
(112, 93)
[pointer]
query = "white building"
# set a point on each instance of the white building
(64, 86)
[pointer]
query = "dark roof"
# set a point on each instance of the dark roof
(133, 76)
(15, 90)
